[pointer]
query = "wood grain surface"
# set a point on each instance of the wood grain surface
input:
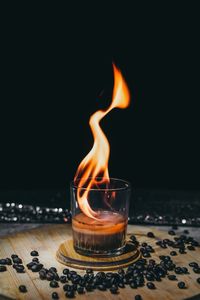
(46, 240)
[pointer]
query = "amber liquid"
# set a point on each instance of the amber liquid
(104, 237)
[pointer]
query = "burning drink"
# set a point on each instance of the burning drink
(105, 234)
(99, 203)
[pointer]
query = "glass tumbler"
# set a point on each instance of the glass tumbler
(105, 235)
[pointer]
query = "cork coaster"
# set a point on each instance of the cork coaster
(69, 257)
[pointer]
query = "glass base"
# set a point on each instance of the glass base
(108, 253)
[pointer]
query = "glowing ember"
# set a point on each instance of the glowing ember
(95, 164)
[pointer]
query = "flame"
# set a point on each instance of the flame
(95, 164)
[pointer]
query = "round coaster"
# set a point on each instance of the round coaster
(69, 257)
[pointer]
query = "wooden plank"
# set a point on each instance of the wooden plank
(46, 241)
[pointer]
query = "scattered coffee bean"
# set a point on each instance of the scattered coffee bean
(8, 261)
(171, 232)
(3, 268)
(186, 231)
(14, 256)
(150, 234)
(17, 260)
(184, 270)
(172, 277)
(22, 289)
(69, 294)
(173, 253)
(198, 280)
(181, 285)
(138, 297)
(178, 270)
(89, 288)
(19, 268)
(182, 251)
(53, 269)
(196, 270)
(35, 259)
(29, 265)
(63, 279)
(102, 287)
(36, 267)
(2, 261)
(34, 253)
(191, 248)
(42, 274)
(53, 284)
(54, 295)
(114, 290)
(49, 276)
(193, 265)
(151, 285)
(80, 290)
(133, 285)
(65, 271)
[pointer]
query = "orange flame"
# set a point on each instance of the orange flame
(96, 161)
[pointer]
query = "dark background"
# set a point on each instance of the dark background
(56, 68)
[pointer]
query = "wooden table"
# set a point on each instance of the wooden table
(46, 240)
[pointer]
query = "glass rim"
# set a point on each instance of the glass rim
(127, 186)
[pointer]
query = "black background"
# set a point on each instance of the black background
(56, 67)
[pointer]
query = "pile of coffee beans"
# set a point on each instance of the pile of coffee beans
(144, 272)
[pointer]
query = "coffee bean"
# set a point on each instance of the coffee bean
(54, 295)
(172, 277)
(34, 253)
(35, 259)
(69, 294)
(184, 270)
(191, 248)
(36, 267)
(193, 265)
(121, 285)
(53, 269)
(181, 285)
(66, 287)
(146, 254)
(2, 261)
(182, 251)
(114, 290)
(22, 289)
(133, 238)
(171, 232)
(3, 268)
(173, 253)
(8, 261)
(63, 279)
(138, 297)
(54, 284)
(186, 231)
(17, 260)
(80, 290)
(133, 285)
(150, 234)
(198, 280)
(19, 268)
(102, 287)
(29, 265)
(178, 270)
(14, 256)
(150, 285)
(49, 276)
(89, 287)
(65, 271)
(196, 270)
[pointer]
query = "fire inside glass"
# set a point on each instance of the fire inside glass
(104, 233)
